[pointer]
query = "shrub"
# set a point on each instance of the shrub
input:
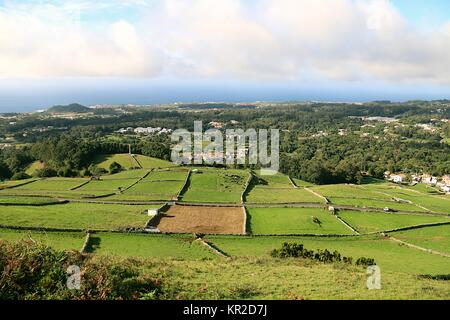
(32, 271)
(20, 176)
(295, 250)
(46, 172)
(115, 168)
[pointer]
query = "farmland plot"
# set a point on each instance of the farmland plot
(158, 185)
(142, 245)
(24, 200)
(366, 222)
(52, 187)
(279, 189)
(56, 240)
(76, 216)
(389, 255)
(294, 221)
(202, 219)
(216, 186)
(435, 238)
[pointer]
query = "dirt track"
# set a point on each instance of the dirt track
(201, 219)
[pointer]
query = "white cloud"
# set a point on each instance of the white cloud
(233, 39)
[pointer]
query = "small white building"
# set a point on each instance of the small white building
(152, 212)
(398, 178)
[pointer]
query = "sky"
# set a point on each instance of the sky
(163, 51)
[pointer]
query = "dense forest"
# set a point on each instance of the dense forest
(320, 142)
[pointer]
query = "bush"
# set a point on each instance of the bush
(32, 271)
(20, 176)
(46, 172)
(295, 250)
(115, 168)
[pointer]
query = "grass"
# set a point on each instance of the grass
(302, 183)
(348, 191)
(436, 238)
(377, 204)
(76, 216)
(128, 162)
(152, 163)
(56, 240)
(277, 195)
(124, 159)
(8, 200)
(294, 221)
(390, 256)
(106, 186)
(31, 169)
(13, 183)
(267, 278)
(158, 185)
(52, 184)
(142, 245)
(216, 185)
(366, 222)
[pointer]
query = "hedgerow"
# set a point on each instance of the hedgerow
(297, 250)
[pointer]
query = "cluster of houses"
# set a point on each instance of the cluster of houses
(442, 183)
(148, 130)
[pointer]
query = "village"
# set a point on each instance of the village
(443, 183)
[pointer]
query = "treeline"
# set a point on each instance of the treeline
(69, 154)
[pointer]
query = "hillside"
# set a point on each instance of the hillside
(73, 107)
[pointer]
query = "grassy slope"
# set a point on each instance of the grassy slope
(31, 169)
(266, 278)
(216, 185)
(140, 245)
(76, 215)
(294, 220)
(370, 222)
(124, 159)
(390, 256)
(57, 240)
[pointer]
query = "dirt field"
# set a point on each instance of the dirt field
(199, 219)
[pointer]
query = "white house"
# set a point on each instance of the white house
(446, 189)
(398, 178)
(152, 212)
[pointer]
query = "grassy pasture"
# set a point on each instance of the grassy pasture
(76, 216)
(142, 245)
(52, 184)
(150, 191)
(152, 163)
(13, 183)
(106, 186)
(124, 159)
(56, 240)
(294, 221)
(278, 195)
(348, 191)
(274, 181)
(36, 165)
(378, 204)
(390, 256)
(366, 222)
(436, 238)
(216, 185)
(302, 183)
(7, 200)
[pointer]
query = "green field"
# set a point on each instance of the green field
(152, 163)
(216, 185)
(141, 245)
(366, 222)
(106, 186)
(348, 191)
(56, 240)
(390, 256)
(8, 200)
(376, 204)
(294, 221)
(278, 195)
(158, 185)
(435, 238)
(52, 184)
(279, 189)
(75, 216)
(128, 162)
(13, 183)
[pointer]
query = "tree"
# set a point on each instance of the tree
(115, 168)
